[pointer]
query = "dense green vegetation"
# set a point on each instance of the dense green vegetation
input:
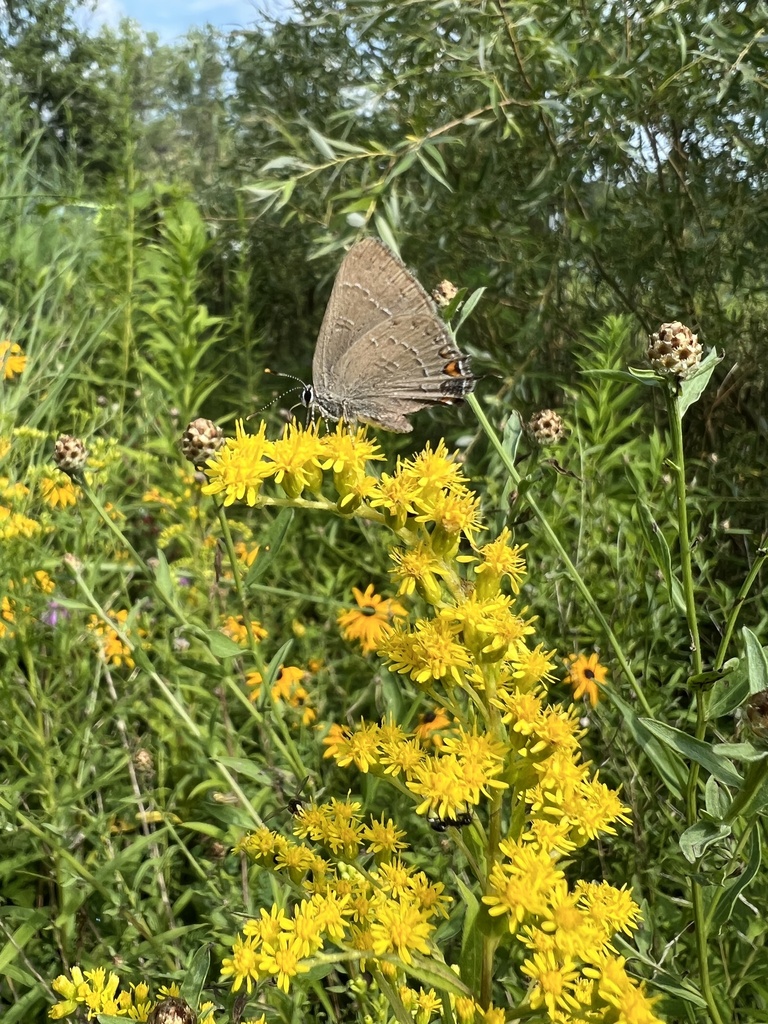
(171, 219)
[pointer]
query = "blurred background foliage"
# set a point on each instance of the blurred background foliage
(171, 219)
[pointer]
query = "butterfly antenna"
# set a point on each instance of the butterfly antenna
(306, 393)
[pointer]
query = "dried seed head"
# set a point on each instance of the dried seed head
(142, 762)
(546, 427)
(674, 350)
(756, 713)
(69, 454)
(444, 293)
(172, 1010)
(201, 440)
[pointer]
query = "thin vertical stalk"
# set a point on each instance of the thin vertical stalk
(674, 411)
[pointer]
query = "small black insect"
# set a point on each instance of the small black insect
(461, 820)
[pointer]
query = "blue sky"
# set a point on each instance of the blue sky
(172, 18)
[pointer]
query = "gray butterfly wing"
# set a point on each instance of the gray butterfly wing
(382, 352)
(399, 366)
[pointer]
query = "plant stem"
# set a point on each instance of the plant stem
(683, 531)
(554, 541)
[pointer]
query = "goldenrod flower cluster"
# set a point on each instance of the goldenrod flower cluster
(507, 765)
(97, 992)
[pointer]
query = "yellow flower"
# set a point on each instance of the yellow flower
(554, 983)
(59, 490)
(428, 653)
(282, 960)
(383, 837)
(620, 992)
(113, 649)
(296, 456)
(586, 675)
(521, 886)
(243, 965)
(417, 569)
(303, 930)
(14, 524)
(499, 560)
(12, 359)
(347, 452)
(370, 621)
(435, 471)
(399, 927)
(239, 467)
(236, 630)
(15, 491)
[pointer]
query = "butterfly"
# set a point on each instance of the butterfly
(383, 352)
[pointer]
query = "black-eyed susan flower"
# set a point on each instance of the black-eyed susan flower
(234, 627)
(586, 675)
(240, 467)
(431, 725)
(59, 490)
(12, 359)
(371, 620)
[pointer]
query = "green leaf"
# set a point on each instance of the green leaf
(657, 545)
(667, 764)
(435, 974)
(322, 144)
(273, 668)
(222, 646)
(734, 889)
(471, 958)
(271, 545)
(429, 167)
(729, 692)
(757, 664)
(696, 750)
(716, 799)
(699, 837)
(468, 306)
(692, 389)
(243, 766)
(163, 577)
(740, 751)
(195, 976)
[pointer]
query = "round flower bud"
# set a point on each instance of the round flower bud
(172, 1010)
(69, 454)
(674, 350)
(444, 294)
(201, 440)
(546, 427)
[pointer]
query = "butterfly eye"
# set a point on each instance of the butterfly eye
(307, 395)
